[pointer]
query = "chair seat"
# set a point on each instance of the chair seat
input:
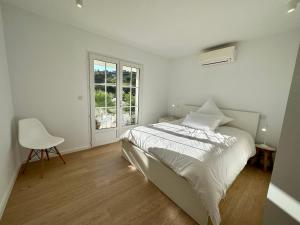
(45, 142)
(33, 135)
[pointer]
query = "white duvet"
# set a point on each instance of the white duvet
(210, 161)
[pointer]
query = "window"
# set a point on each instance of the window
(105, 75)
(130, 93)
(114, 92)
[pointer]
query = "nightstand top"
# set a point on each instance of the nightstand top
(265, 147)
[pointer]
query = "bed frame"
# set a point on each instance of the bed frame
(174, 186)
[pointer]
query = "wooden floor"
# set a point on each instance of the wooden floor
(97, 187)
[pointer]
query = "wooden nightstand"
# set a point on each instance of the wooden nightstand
(266, 152)
(167, 118)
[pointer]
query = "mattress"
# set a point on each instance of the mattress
(209, 160)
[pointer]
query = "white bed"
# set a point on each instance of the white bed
(193, 167)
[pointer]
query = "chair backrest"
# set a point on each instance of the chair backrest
(30, 129)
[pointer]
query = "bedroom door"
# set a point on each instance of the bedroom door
(114, 98)
(130, 80)
(104, 74)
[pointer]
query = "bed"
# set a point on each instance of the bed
(192, 167)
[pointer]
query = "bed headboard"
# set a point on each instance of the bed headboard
(247, 121)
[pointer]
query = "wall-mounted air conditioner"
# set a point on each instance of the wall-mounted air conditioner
(218, 56)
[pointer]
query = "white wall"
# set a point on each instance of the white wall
(48, 64)
(258, 81)
(284, 191)
(9, 154)
(49, 68)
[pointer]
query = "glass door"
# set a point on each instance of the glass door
(114, 90)
(130, 90)
(104, 99)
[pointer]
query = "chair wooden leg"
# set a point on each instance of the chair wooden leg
(60, 156)
(47, 154)
(27, 161)
(42, 163)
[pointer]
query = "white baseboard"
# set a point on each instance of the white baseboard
(77, 149)
(5, 198)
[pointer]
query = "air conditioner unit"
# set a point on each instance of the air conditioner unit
(218, 56)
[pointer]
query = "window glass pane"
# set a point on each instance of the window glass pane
(111, 73)
(110, 119)
(129, 116)
(130, 93)
(106, 117)
(135, 77)
(133, 96)
(100, 95)
(126, 118)
(126, 75)
(99, 71)
(126, 97)
(105, 94)
(134, 115)
(111, 97)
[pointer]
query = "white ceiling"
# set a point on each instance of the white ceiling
(171, 28)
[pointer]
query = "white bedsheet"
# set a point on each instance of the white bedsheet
(209, 160)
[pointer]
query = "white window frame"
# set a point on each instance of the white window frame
(110, 135)
(138, 66)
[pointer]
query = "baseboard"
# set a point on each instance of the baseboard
(11, 184)
(77, 149)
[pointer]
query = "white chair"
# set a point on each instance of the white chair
(33, 135)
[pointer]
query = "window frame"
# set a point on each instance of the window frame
(140, 67)
(119, 129)
(106, 85)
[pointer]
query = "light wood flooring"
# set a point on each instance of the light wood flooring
(97, 187)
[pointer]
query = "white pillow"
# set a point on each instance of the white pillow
(210, 107)
(202, 121)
